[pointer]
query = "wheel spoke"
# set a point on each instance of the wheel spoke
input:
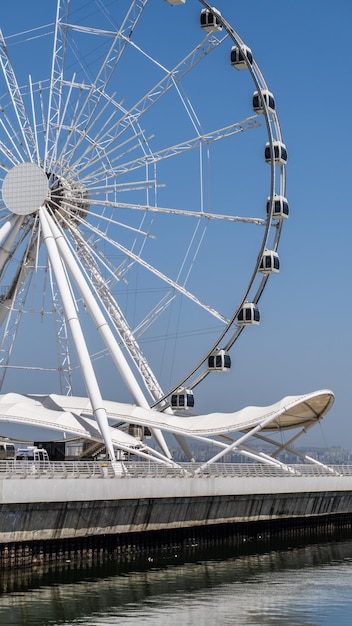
(138, 216)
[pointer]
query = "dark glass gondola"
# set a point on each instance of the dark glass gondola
(280, 153)
(258, 101)
(210, 21)
(249, 314)
(137, 431)
(182, 399)
(270, 263)
(281, 208)
(219, 361)
(237, 57)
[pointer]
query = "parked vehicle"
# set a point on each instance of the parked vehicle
(32, 453)
(7, 451)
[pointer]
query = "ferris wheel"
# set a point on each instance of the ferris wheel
(142, 174)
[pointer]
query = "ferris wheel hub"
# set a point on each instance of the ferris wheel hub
(68, 200)
(25, 188)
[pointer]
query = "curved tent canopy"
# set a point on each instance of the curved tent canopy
(74, 415)
(33, 411)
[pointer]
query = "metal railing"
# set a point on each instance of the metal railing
(132, 469)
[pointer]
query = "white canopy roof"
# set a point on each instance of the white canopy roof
(41, 412)
(74, 415)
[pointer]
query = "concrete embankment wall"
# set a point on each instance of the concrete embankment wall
(38, 509)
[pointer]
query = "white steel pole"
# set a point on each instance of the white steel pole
(103, 328)
(88, 373)
(8, 233)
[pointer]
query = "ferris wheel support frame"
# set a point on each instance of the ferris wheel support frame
(102, 326)
(72, 202)
(83, 356)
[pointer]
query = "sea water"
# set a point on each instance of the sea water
(258, 584)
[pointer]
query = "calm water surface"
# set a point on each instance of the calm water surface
(257, 584)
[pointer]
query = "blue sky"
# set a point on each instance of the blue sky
(304, 340)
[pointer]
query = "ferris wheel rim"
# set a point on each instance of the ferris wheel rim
(261, 86)
(80, 204)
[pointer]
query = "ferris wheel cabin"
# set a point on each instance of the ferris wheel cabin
(182, 399)
(238, 57)
(258, 102)
(281, 208)
(249, 315)
(137, 431)
(270, 263)
(280, 153)
(175, 2)
(210, 20)
(219, 361)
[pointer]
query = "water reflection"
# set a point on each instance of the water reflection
(259, 584)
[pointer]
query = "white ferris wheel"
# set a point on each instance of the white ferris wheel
(142, 175)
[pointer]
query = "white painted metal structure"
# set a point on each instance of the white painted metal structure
(73, 416)
(112, 201)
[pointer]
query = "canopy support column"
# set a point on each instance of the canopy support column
(236, 443)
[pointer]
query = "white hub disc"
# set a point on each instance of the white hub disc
(25, 188)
